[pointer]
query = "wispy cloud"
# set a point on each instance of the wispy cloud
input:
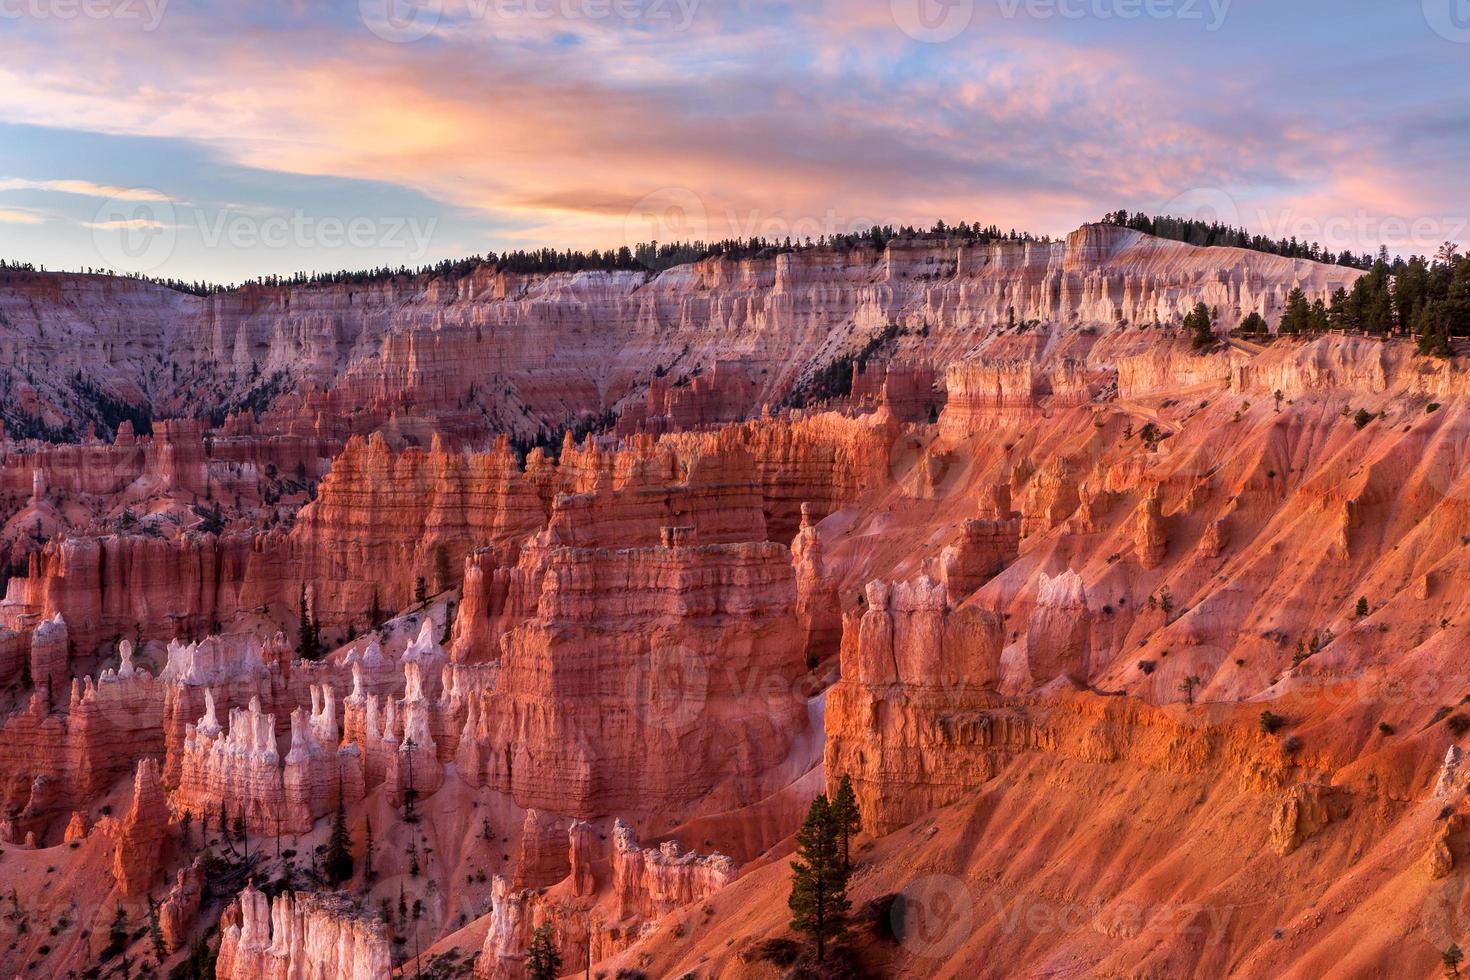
(127, 224)
(19, 216)
(84, 188)
(764, 117)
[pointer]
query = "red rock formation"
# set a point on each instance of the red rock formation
(107, 587)
(55, 758)
(817, 608)
(633, 634)
(241, 770)
(650, 884)
(981, 392)
(1052, 497)
(352, 358)
(1151, 539)
(545, 858)
(179, 907)
(143, 833)
(382, 520)
(414, 766)
(985, 546)
(666, 643)
(916, 678)
(15, 656)
(514, 919)
(77, 828)
(608, 911)
(1058, 638)
(51, 656)
(299, 935)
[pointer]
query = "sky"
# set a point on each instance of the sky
(226, 140)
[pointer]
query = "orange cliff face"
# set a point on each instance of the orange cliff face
(1075, 608)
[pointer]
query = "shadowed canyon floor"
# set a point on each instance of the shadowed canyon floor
(1143, 661)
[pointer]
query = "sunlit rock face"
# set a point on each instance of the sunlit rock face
(614, 893)
(237, 769)
(628, 691)
(298, 935)
(1036, 590)
(142, 834)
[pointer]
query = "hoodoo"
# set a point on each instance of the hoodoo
(544, 614)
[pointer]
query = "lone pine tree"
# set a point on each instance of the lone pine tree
(338, 864)
(544, 959)
(818, 901)
(849, 820)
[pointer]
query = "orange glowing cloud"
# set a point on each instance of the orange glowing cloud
(562, 130)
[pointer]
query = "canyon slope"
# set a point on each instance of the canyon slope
(553, 601)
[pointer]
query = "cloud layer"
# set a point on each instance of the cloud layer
(579, 122)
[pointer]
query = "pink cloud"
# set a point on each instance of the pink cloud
(765, 125)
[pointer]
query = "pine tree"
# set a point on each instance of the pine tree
(117, 934)
(1452, 958)
(1254, 325)
(339, 863)
(1432, 329)
(375, 613)
(155, 932)
(449, 614)
(410, 794)
(420, 590)
(309, 629)
(367, 856)
(1319, 320)
(200, 963)
(443, 574)
(224, 826)
(818, 901)
(1200, 323)
(1298, 316)
(544, 960)
(1337, 312)
(849, 819)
